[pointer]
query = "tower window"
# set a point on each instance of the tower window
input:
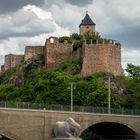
(51, 40)
(87, 27)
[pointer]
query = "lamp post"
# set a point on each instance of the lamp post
(71, 89)
(109, 104)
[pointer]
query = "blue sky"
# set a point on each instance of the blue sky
(30, 22)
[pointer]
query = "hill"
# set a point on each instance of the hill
(31, 82)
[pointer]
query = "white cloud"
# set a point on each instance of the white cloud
(111, 16)
(11, 45)
(41, 14)
(130, 55)
(114, 16)
(27, 20)
(69, 16)
(31, 25)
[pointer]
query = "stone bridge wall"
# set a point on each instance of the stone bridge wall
(38, 124)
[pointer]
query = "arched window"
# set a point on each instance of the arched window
(51, 40)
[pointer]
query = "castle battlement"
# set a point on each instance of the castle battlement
(102, 42)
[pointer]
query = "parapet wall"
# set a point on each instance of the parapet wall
(101, 57)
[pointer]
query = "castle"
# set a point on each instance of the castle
(96, 56)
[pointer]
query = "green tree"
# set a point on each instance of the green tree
(65, 38)
(76, 36)
(97, 98)
(133, 71)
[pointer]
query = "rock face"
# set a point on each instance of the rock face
(18, 78)
(25, 72)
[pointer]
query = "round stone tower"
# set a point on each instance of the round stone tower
(87, 26)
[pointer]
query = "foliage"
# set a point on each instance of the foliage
(133, 71)
(76, 36)
(130, 101)
(65, 38)
(71, 66)
(88, 135)
(51, 86)
(8, 92)
(97, 98)
(18, 74)
(78, 40)
(77, 44)
(93, 36)
(40, 59)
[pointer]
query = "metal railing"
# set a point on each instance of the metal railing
(86, 109)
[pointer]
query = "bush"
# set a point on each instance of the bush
(65, 38)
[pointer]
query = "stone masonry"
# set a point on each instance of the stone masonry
(31, 51)
(11, 60)
(101, 57)
(22, 124)
(55, 52)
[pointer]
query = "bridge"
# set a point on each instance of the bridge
(31, 124)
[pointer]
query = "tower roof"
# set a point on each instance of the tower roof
(87, 21)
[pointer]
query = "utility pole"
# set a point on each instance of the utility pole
(71, 89)
(109, 104)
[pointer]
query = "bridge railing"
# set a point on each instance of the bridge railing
(87, 109)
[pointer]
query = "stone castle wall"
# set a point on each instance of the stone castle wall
(31, 51)
(11, 60)
(55, 52)
(96, 57)
(77, 53)
(101, 57)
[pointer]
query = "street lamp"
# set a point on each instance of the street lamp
(72, 87)
(109, 104)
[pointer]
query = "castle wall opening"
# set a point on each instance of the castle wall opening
(109, 131)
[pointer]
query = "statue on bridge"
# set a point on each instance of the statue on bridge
(67, 129)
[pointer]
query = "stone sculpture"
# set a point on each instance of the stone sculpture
(67, 129)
